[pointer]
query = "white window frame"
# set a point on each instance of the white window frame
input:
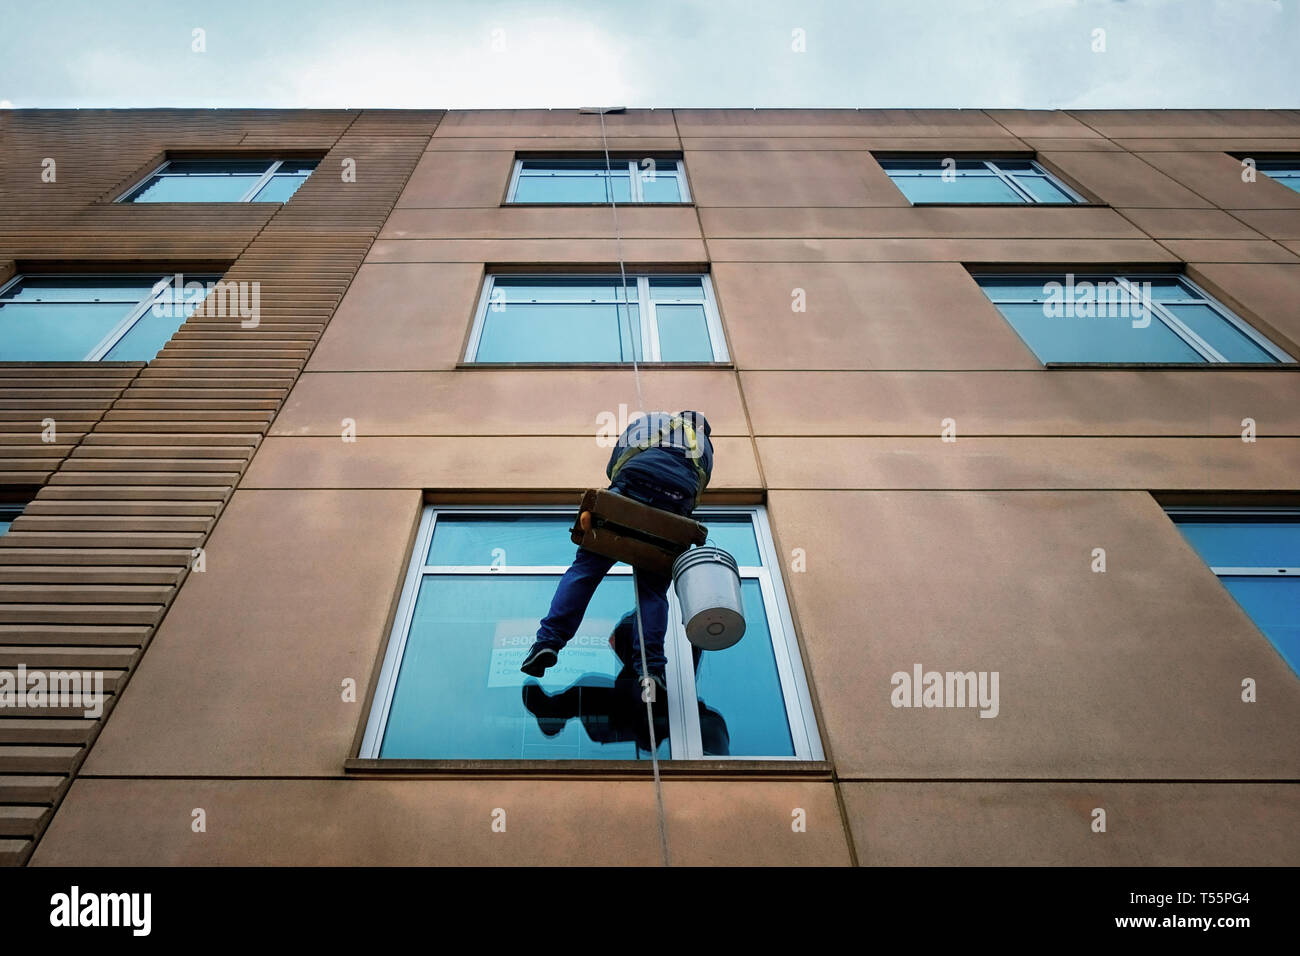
(683, 711)
(635, 173)
(648, 320)
(1007, 177)
(1177, 326)
(257, 187)
(129, 320)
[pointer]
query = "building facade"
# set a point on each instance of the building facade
(298, 405)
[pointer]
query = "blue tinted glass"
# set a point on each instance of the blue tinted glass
(689, 289)
(1164, 290)
(733, 534)
(5, 524)
(1222, 335)
(683, 334)
(1043, 189)
(460, 693)
(280, 188)
(1040, 287)
(561, 189)
(1058, 338)
(961, 189)
(534, 540)
(292, 166)
(1272, 604)
(1244, 544)
(547, 167)
(742, 709)
(55, 332)
(573, 182)
(1001, 289)
(1288, 174)
(126, 289)
(197, 188)
(931, 166)
(217, 167)
(663, 188)
(620, 186)
(559, 333)
(152, 330)
(507, 289)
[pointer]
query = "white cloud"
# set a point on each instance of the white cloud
(564, 53)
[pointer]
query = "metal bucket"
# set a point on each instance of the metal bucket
(708, 589)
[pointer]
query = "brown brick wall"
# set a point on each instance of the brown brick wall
(148, 455)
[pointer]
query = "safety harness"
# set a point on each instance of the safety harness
(692, 450)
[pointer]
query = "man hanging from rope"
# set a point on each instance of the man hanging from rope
(661, 460)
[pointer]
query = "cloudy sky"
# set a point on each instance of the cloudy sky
(637, 53)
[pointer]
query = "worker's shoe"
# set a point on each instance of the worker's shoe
(540, 656)
(552, 712)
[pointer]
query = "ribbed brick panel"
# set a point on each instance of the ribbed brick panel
(46, 409)
(89, 569)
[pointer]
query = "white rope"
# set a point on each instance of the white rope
(650, 722)
(635, 335)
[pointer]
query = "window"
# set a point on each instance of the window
(649, 180)
(1256, 554)
(223, 180)
(8, 512)
(478, 584)
(1285, 171)
(654, 318)
(114, 318)
(948, 179)
(1124, 318)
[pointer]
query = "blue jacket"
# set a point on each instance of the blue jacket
(657, 449)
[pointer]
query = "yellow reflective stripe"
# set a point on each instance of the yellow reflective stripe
(695, 459)
(633, 450)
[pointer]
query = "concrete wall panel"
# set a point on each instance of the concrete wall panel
(1134, 673)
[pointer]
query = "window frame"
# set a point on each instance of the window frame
(645, 303)
(1243, 514)
(10, 511)
(1125, 280)
(128, 321)
(1008, 178)
(634, 185)
(685, 740)
(267, 175)
(1291, 168)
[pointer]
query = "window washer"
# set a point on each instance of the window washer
(661, 460)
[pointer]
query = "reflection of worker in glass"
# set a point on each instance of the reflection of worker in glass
(616, 714)
(664, 461)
